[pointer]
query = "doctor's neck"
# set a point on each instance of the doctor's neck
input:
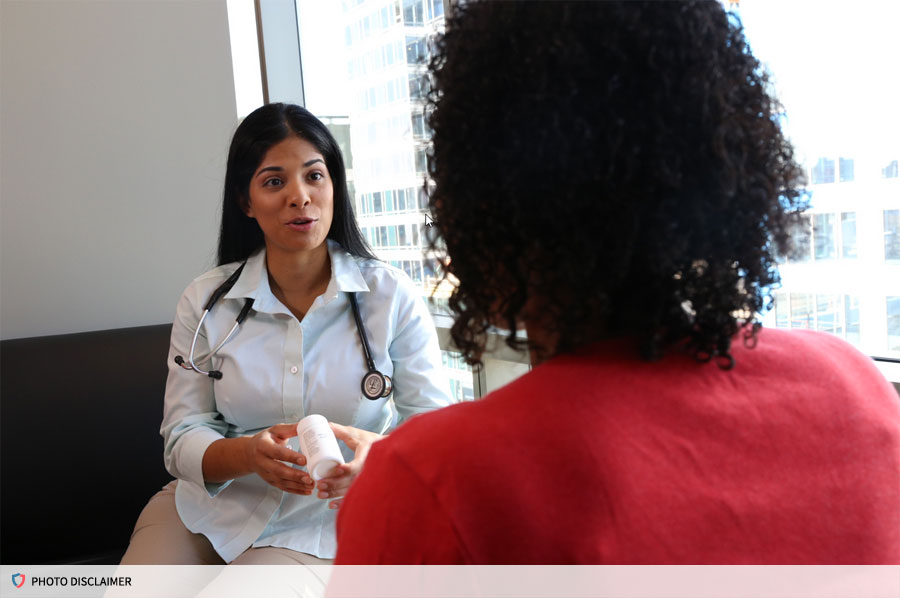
(299, 271)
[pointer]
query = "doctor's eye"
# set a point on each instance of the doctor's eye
(272, 182)
(317, 176)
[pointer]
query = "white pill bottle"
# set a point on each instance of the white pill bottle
(318, 443)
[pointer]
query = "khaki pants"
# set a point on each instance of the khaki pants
(160, 538)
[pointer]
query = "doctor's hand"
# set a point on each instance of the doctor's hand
(266, 454)
(340, 478)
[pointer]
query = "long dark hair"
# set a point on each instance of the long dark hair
(620, 165)
(240, 235)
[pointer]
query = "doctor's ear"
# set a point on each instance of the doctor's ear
(246, 208)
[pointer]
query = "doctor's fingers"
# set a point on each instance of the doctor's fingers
(263, 447)
(335, 487)
(289, 483)
(294, 488)
(355, 438)
(348, 434)
(268, 448)
(279, 471)
(333, 491)
(283, 431)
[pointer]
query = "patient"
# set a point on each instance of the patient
(612, 177)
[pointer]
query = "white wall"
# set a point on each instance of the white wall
(115, 117)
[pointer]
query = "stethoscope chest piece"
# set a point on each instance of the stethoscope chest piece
(376, 385)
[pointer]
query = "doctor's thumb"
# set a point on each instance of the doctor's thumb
(346, 434)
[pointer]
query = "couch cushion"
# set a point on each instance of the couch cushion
(80, 450)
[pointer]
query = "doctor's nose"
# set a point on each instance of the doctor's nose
(298, 195)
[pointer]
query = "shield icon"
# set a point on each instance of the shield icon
(18, 580)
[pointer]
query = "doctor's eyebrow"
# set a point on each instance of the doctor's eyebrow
(280, 169)
(269, 169)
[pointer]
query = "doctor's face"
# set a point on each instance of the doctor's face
(292, 197)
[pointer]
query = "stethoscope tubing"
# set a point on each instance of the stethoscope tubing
(381, 385)
(367, 352)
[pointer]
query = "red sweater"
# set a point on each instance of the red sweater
(792, 457)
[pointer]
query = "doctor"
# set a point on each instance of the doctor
(231, 410)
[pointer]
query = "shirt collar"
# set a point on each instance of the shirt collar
(345, 272)
(254, 280)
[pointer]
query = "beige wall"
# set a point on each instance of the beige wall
(114, 122)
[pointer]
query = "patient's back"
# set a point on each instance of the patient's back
(791, 457)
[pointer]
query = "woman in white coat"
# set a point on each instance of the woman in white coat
(292, 257)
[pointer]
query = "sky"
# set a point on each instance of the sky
(834, 64)
(835, 68)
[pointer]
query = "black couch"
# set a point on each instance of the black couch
(80, 450)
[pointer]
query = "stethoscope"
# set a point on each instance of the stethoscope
(375, 385)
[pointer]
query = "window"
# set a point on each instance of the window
(461, 380)
(802, 239)
(822, 172)
(362, 62)
(421, 162)
(851, 318)
(892, 234)
(832, 313)
(848, 235)
(433, 269)
(846, 169)
(782, 310)
(415, 50)
(890, 171)
(823, 236)
(827, 240)
(413, 268)
(244, 56)
(418, 125)
(844, 130)
(344, 77)
(413, 12)
(418, 86)
(828, 314)
(893, 323)
(802, 315)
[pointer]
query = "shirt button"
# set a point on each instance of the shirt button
(294, 370)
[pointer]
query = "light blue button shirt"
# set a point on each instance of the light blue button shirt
(276, 369)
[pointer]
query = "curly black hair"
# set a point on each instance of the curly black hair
(611, 170)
